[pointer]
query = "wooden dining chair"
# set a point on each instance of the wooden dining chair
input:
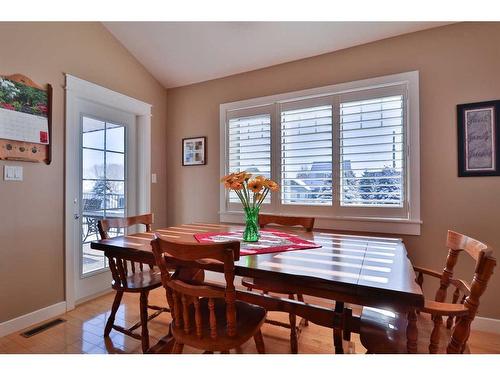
(266, 286)
(204, 316)
(131, 276)
(384, 332)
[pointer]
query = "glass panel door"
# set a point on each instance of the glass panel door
(103, 187)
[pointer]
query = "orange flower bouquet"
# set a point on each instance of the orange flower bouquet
(252, 191)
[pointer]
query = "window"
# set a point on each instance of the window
(250, 147)
(340, 153)
(306, 156)
(371, 152)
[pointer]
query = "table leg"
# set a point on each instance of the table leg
(337, 332)
(412, 332)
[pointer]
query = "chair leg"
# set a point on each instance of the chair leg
(178, 347)
(114, 309)
(300, 297)
(259, 342)
(434, 342)
(294, 345)
(144, 321)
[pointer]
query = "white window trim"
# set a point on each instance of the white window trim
(409, 225)
(77, 88)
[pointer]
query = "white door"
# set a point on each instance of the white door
(106, 187)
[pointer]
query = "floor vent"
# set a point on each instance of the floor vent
(42, 327)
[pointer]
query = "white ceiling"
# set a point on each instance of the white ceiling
(181, 53)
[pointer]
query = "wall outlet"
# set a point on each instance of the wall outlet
(153, 178)
(12, 173)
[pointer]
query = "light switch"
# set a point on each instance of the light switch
(153, 178)
(13, 173)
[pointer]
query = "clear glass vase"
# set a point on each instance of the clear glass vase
(251, 233)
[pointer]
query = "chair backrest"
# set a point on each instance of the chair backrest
(290, 221)
(465, 293)
(482, 255)
(92, 204)
(105, 225)
(120, 265)
(184, 289)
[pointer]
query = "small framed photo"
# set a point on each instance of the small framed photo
(478, 139)
(194, 151)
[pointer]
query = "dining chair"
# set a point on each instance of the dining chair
(206, 316)
(266, 286)
(90, 205)
(383, 331)
(131, 276)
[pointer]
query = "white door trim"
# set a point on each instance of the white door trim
(77, 88)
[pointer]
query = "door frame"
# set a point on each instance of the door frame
(77, 88)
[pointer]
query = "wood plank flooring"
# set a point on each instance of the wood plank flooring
(83, 332)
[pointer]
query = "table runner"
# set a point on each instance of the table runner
(271, 241)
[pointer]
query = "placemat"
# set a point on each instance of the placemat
(271, 241)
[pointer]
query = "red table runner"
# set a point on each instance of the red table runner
(271, 241)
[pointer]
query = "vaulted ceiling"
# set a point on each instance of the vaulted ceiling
(182, 53)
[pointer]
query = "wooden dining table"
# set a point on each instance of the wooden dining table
(348, 269)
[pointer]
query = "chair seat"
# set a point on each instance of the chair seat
(140, 281)
(273, 286)
(249, 320)
(384, 331)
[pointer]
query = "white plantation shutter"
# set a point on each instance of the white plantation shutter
(372, 152)
(249, 149)
(306, 155)
(340, 153)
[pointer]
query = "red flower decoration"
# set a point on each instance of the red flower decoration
(7, 106)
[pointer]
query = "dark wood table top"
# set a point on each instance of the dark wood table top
(366, 270)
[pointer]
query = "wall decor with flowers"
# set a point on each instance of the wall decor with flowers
(25, 119)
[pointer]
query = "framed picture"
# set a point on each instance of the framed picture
(478, 140)
(194, 151)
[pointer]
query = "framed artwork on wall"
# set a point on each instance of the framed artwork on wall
(478, 139)
(194, 151)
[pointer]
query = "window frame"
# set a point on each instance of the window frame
(398, 220)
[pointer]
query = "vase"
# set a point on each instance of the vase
(251, 233)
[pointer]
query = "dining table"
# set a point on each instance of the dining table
(348, 269)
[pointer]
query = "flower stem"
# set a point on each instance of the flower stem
(242, 199)
(264, 195)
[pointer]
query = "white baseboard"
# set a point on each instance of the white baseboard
(486, 325)
(91, 297)
(24, 321)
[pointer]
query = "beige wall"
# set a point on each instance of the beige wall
(32, 211)
(457, 64)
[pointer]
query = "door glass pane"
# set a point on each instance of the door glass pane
(115, 166)
(115, 199)
(93, 133)
(102, 185)
(93, 164)
(114, 138)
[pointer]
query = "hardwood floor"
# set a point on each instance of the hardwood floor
(83, 332)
